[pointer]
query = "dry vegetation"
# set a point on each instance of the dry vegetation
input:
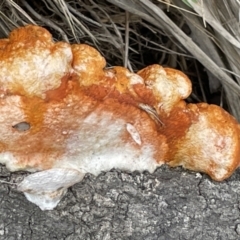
(201, 38)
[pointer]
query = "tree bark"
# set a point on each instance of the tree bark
(169, 204)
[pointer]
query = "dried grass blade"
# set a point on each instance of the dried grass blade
(198, 6)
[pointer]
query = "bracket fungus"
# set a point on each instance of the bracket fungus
(64, 114)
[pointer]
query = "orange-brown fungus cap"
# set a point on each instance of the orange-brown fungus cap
(208, 141)
(31, 63)
(61, 108)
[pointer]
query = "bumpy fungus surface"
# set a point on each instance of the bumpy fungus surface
(60, 109)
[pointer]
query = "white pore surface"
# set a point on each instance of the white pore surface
(100, 145)
(46, 201)
(47, 188)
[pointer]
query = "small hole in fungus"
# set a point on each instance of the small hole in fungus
(22, 126)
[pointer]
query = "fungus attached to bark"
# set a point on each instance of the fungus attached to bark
(81, 117)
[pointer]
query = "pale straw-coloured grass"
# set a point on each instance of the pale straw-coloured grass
(201, 38)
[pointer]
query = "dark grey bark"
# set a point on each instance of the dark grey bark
(169, 204)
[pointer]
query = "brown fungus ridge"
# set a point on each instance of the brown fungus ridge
(99, 83)
(145, 95)
(119, 84)
(176, 125)
(69, 84)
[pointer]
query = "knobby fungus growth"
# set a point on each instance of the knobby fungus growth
(79, 117)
